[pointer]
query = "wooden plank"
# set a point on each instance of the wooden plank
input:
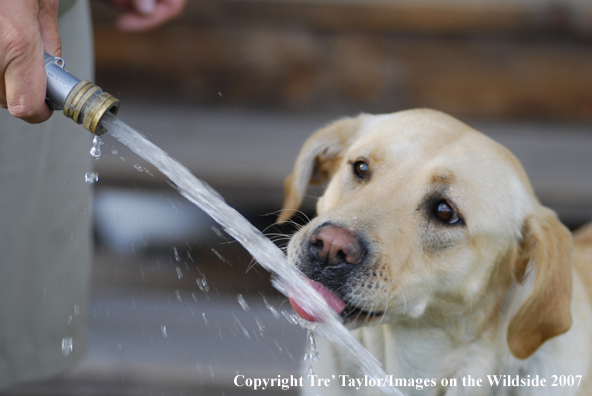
(428, 17)
(303, 69)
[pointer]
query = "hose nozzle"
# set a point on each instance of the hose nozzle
(81, 101)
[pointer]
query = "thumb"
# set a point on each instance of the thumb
(48, 25)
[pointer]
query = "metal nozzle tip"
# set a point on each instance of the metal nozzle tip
(87, 104)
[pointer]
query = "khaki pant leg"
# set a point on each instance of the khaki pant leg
(45, 229)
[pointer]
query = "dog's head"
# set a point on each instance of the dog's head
(429, 222)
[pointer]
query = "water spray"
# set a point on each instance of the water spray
(81, 101)
(88, 105)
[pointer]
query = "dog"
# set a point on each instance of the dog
(432, 247)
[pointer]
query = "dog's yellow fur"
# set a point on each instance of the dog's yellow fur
(503, 293)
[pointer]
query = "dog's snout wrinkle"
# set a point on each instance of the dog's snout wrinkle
(335, 246)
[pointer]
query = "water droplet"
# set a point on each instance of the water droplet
(289, 317)
(179, 273)
(202, 283)
(176, 252)
(242, 302)
(189, 257)
(114, 152)
(178, 294)
(163, 329)
(118, 346)
(69, 320)
(204, 318)
(138, 168)
(91, 177)
(260, 326)
(240, 325)
(194, 297)
(95, 151)
(222, 258)
(312, 353)
(122, 159)
(217, 231)
(271, 308)
(310, 371)
(76, 309)
(277, 344)
(147, 171)
(66, 346)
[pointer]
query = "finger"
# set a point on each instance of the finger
(26, 85)
(145, 7)
(23, 63)
(164, 11)
(48, 24)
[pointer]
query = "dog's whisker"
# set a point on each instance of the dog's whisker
(252, 264)
(382, 318)
(297, 213)
(278, 237)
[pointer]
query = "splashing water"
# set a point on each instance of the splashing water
(265, 252)
(95, 151)
(312, 353)
(66, 346)
(271, 308)
(289, 317)
(260, 326)
(202, 283)
(242, 302)
(91, 177)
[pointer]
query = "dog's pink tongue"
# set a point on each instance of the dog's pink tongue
(334, 302)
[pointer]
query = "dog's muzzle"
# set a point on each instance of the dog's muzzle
(335, 247)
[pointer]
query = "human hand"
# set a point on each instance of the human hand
(27, 29)
(142, 15)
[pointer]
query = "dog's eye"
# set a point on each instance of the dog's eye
(361, 169)
(443, 212)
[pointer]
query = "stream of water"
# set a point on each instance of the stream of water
(289, 281)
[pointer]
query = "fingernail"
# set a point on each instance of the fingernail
(146, 6)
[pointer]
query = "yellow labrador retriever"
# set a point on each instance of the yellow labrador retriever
(433, 248)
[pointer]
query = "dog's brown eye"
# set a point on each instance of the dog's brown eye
(445, 213)
(361, 169)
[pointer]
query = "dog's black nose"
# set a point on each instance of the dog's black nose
(333, 245)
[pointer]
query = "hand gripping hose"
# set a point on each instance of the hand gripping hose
(81, 101)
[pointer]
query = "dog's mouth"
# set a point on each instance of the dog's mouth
(352, 313)
(347, 311)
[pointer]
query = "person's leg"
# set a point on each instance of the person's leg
(45, 229)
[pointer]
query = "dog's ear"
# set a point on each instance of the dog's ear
(543, 263)
(317, 162)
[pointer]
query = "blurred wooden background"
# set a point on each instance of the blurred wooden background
(474, 59)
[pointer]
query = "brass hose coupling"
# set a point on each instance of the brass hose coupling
(81, 101)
